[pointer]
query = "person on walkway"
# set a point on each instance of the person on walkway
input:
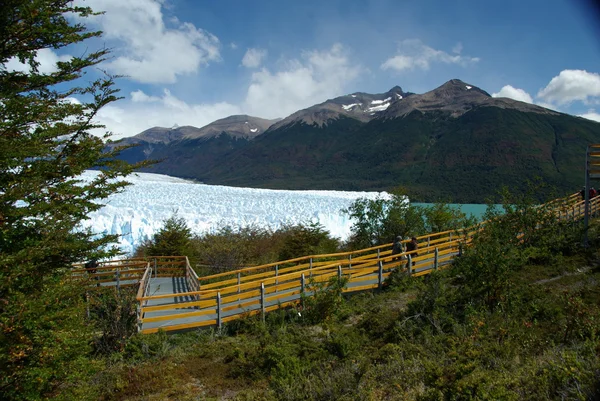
(397, 248)
(582, 193)
(91, 268)
(411, 246)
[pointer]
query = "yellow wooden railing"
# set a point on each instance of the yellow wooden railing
(222, 297)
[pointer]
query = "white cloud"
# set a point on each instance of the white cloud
(301, 83)
(146, 49)
(254, 58)
(46, 57)
(591, 115)
(128, 118)
(514, 93)
(457, 48)
(572, 85)
(298, 83)
(233, 45)
(412, 53)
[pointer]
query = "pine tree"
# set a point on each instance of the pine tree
(45, 145)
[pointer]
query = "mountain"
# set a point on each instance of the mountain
(360, 106)
(454, 143)
(155, 143)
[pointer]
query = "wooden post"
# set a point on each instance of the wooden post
(339, 272)
(409, 264)
(435, 260)
(380, 274)
(262, 301)
(219, 310)
(302, 282)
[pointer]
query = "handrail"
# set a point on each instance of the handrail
(259, 289)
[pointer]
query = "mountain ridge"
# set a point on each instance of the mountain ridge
(455, 142)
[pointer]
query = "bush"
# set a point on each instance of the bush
(113, 313)
(303, 240)
(173, 239)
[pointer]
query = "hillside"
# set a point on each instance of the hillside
(509, 320)
(454, 143)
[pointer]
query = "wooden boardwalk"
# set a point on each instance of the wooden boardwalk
(172, 297)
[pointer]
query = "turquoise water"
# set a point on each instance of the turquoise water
(474, 209)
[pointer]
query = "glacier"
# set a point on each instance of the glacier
(138, 212)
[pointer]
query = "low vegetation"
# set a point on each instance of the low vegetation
(515, 317)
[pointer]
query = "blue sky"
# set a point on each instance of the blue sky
(190, 62)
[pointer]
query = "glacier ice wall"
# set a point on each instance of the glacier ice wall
(141, 209)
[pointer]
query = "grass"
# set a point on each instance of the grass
(373, 349)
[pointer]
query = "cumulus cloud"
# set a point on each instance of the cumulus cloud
(315, 77)
(414, 54)
(457, 48)
(514, 93)
(571, 85)
(591, 115)
(147, 50)
(142, 111)
(298, 83)
(254, 58)
(46, 57)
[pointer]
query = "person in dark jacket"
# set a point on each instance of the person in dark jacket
(397, 248)
(413, 245)
(91, 268)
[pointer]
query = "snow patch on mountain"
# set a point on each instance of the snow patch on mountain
(378, 108)
(381, 101)
(349, 106)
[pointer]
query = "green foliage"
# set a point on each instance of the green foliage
(45, 145)
(229, 249)
(325, 301)
(113, 313)
(379, 221)
(303, 240)
(173, 239)
(42, 340)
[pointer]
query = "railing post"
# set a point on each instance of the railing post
(409, 265)
(262, 301)
(277, 274)
(435, 260)
(349, 261)
(310, 266)
(339, 272)
(239, 280)
(428, 241)
(380, 274)
(117, 275)
(302, 282)
(378, 254)
(219, 310)
(155, 268)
